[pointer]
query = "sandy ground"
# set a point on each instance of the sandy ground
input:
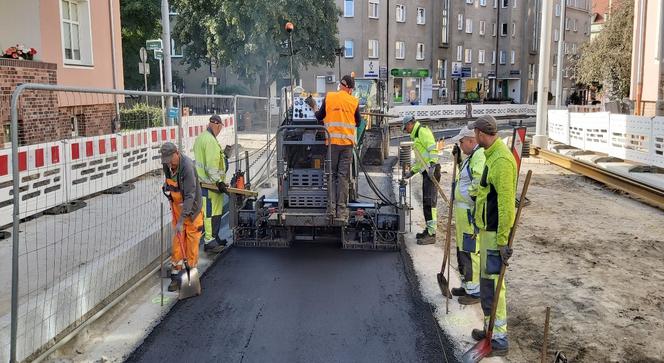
(592, 255)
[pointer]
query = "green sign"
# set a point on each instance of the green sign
(153, 44)
(158, 54)
(405, 72)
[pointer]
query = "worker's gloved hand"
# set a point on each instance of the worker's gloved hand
(456, 152)
(310, 102)
(166, 192)
(505, 254)
(179, 226)
(408, 174)
(222, 187)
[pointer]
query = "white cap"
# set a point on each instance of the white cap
(464, 132)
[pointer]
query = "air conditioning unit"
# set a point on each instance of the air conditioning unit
(330, 79)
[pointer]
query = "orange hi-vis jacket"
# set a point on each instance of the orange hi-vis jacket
(340, 108)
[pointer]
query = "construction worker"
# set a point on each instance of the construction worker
(425, 145)
(467, 181)
(494, 217)
(211, 169)
(184, 193)
(340, 113)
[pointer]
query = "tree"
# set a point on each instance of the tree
(141, 20)
(606, 61)
(247, 35)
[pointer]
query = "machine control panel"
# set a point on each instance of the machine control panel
(302, 111)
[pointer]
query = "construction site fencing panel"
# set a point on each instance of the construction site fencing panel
(89, 202)
(255, 138)
(434, 112)
(633, 138)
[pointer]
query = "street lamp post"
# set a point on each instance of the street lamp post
(338, 52)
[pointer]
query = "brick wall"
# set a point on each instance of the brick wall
(38, 116)
(91, 120)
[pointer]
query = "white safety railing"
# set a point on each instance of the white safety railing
(435, 112)
(633, 138)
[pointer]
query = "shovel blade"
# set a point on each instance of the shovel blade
(479, 351)
(190, 284)
(444, 285)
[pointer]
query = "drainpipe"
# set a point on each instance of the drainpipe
(560, 60)
(113, 65)
(639, 55)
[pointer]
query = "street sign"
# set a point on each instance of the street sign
(213, 66)
(143, 55)
(212, 81)
(158, 54)
(456, 69)
(153, 44)
(142, 67)
(371, 68)
(466, 71)
(382, 72)
(172, 112)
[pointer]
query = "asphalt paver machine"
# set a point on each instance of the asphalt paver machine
(303, 173)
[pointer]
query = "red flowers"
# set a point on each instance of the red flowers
(19, 52)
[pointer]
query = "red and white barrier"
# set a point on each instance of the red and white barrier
(92, 165)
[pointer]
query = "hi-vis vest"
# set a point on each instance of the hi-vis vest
(340, 117)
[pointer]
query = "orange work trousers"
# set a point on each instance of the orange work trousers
(191, 233)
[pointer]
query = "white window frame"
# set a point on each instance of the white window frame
(558, 10)
(513, 57)
(400, 49)
(373, 50)
(348, 54)
(374, 9)
(469, 26)
(419, 52)
(482, 2)
(84, 24)
(482, 29)
(502, 57)
(421, 20)
(174, 48)
(460, 22)
(556, 35)
(566, 47)
(468, 56)
(442, 69)
(444, 26)
(495, 4)
(503, 27)
(567, 23)
(481, 56)
(349, 12)
(459, 55)
(574, 25)
(470, 2)
(504, 3)
(493, 57)
(494, 31)
(573, 48)
(400, 14)
(514, 4)
(531, 71)
(513, 29)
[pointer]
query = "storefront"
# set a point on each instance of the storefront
(411, 86)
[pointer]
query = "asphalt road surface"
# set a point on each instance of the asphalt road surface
(309, 303)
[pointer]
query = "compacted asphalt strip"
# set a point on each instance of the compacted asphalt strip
(308, 303)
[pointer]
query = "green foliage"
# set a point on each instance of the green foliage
(141, 20)
(246, 35)
(140, 116)
(606, 60)
(231, 89)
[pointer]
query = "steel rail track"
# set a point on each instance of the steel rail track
(647, 193)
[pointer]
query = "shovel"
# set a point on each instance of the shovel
(190, 282)
(483, 348)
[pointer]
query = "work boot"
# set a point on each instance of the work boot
(175, 283)
(469, 300)
(458, 291)
(429, 239)
(422, 234)
(213, 247)
(499, 348)
(478, 334)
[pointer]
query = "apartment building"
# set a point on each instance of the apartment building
(601, 9)
(647, 80)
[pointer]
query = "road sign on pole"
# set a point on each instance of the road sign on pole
(158, 54)
(144, 68)
(154, 44)
(143, 54)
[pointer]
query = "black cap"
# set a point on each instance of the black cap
(215, 119)
(347, 81)
(167, 150)
(486, 124)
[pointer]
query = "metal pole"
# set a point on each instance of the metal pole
(269, 124)
(145, 79)
(559, 60)
(237, 150)
(113, 65)
(179, 123)
(161, 259)
(166, 40)
(161, 82)
(495, 69)
(246, 176)
(540, 139)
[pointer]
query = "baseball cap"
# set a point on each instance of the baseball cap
(464, 132)
(406, 120)
(348, 81)
(215, 119)
(167, 150)
(486, 124)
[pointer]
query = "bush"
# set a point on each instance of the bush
(140, 116)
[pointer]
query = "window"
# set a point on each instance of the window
(506, 3)
(495, 4)
(373, 48)
(512, 57)
(400, 50)
(419, 55)
(574, 24)
(348, 49)
(514, 4)
(565, 46)
(513, 29)
(493, 57)
(76, 36)
(398, 90)
(349, 8)
(482, 27)
(176, 49)
(573, 48)
(373, 9)
(421, 16)
(481, 55)
(442, 69)
(468, 56)
(493, 29)
(556, 35)
(460, 22)
(401, 13)
(470, 2)
(503, 57)
(557, 9)
(482, 2)
(503, 29)
(531, 71)
(469, 26)
(567, 23)
(459, 56)
(444, 29)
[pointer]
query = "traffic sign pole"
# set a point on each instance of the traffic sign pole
(161, 82)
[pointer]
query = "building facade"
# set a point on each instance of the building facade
(601, 9)
(647, 81)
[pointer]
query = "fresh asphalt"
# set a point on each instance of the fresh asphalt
(308, 303)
